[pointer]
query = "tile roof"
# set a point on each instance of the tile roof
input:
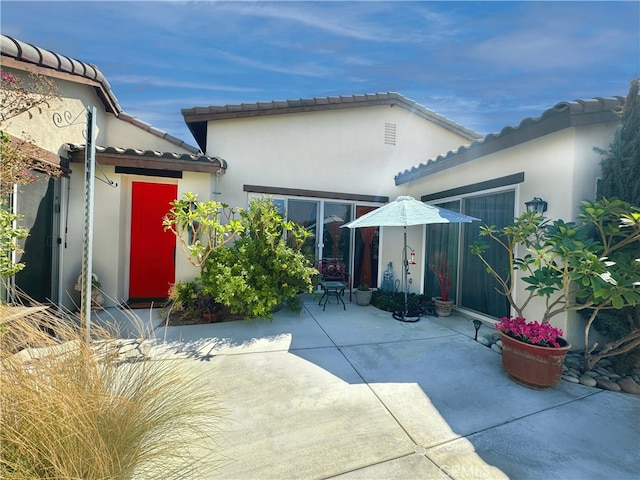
(151, 159)
(562, 115)
(197, 117)
(75, 70)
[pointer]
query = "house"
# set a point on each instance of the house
(142, 169)
(326, 161)
(551, 157)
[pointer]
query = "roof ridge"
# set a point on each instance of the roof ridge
(332, 101)
(573, 108)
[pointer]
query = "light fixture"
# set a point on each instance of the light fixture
(537, 205)
(413, 258)
(477, 324)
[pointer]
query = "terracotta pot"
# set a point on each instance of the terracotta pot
(531, 365)
(443, 307)
(210, 317)
(363, 297)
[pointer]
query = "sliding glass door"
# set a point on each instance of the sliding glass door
(442, 245)
(472, 287)
(479, 289)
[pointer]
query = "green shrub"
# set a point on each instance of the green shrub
(263, 268)
(394, 302)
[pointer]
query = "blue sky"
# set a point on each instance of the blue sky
(485, 65)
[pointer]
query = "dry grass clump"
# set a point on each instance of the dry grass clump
(76, 410)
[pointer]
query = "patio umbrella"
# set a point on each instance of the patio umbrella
(406, 211)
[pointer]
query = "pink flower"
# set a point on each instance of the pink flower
(534, 332)
(7, 77)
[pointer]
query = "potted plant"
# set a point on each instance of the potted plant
(363, 295)
(442, 274)
(533, 352)
(587, 266)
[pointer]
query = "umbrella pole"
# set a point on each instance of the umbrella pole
(403, 316)
(405, 264)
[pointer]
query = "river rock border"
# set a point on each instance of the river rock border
(601, 376)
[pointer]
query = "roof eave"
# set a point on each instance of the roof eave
(561, 116)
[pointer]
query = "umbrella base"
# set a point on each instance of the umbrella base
(408, 317)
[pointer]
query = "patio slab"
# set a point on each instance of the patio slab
(356, 394)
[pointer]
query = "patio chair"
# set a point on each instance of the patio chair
(334, 280)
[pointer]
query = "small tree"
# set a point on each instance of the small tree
(621, 178)
(18, 156)
(201, 227)
(591, 266)
(621, 161)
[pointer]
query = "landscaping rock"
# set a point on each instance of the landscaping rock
(570, 378)
(609, 385)
(588, 381)
(592, 374)
(496, 348)
(484, 341)
(629, 385)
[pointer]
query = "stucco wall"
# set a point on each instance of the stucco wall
(64, 121)
(560, 167)
(336, 151)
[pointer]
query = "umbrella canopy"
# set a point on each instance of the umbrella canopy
(406, 211)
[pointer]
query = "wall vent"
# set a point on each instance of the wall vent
(390, 133)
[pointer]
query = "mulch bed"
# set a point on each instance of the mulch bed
(177, 318)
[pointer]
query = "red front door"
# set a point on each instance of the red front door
(152, 264)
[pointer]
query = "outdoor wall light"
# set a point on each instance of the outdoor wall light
(537, 205)
(477, 324)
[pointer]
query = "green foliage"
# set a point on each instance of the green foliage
(185, 294)
(363, 287)
(621, 162)
(394, 302)
(260, 270)
(9, 236)
(201, 227)
(592, 265)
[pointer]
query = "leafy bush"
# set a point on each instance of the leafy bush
(9, 236)
(394, 302)
(260, 270)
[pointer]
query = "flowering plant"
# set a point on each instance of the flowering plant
(443, 276)
(535, 333)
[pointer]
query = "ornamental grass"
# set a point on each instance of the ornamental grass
(72, 409)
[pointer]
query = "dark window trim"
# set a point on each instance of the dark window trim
(297, 192)
(476, 187)
(149, 172)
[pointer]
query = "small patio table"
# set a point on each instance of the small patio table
(332, 289)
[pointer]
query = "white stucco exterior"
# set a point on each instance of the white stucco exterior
(339, 151)
(561, 167)
(63, 122)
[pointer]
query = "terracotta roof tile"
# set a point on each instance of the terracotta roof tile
(27, 53)
(560, 116)
(157, 159)
(196, 117)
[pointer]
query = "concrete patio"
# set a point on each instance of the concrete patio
(357, 394)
